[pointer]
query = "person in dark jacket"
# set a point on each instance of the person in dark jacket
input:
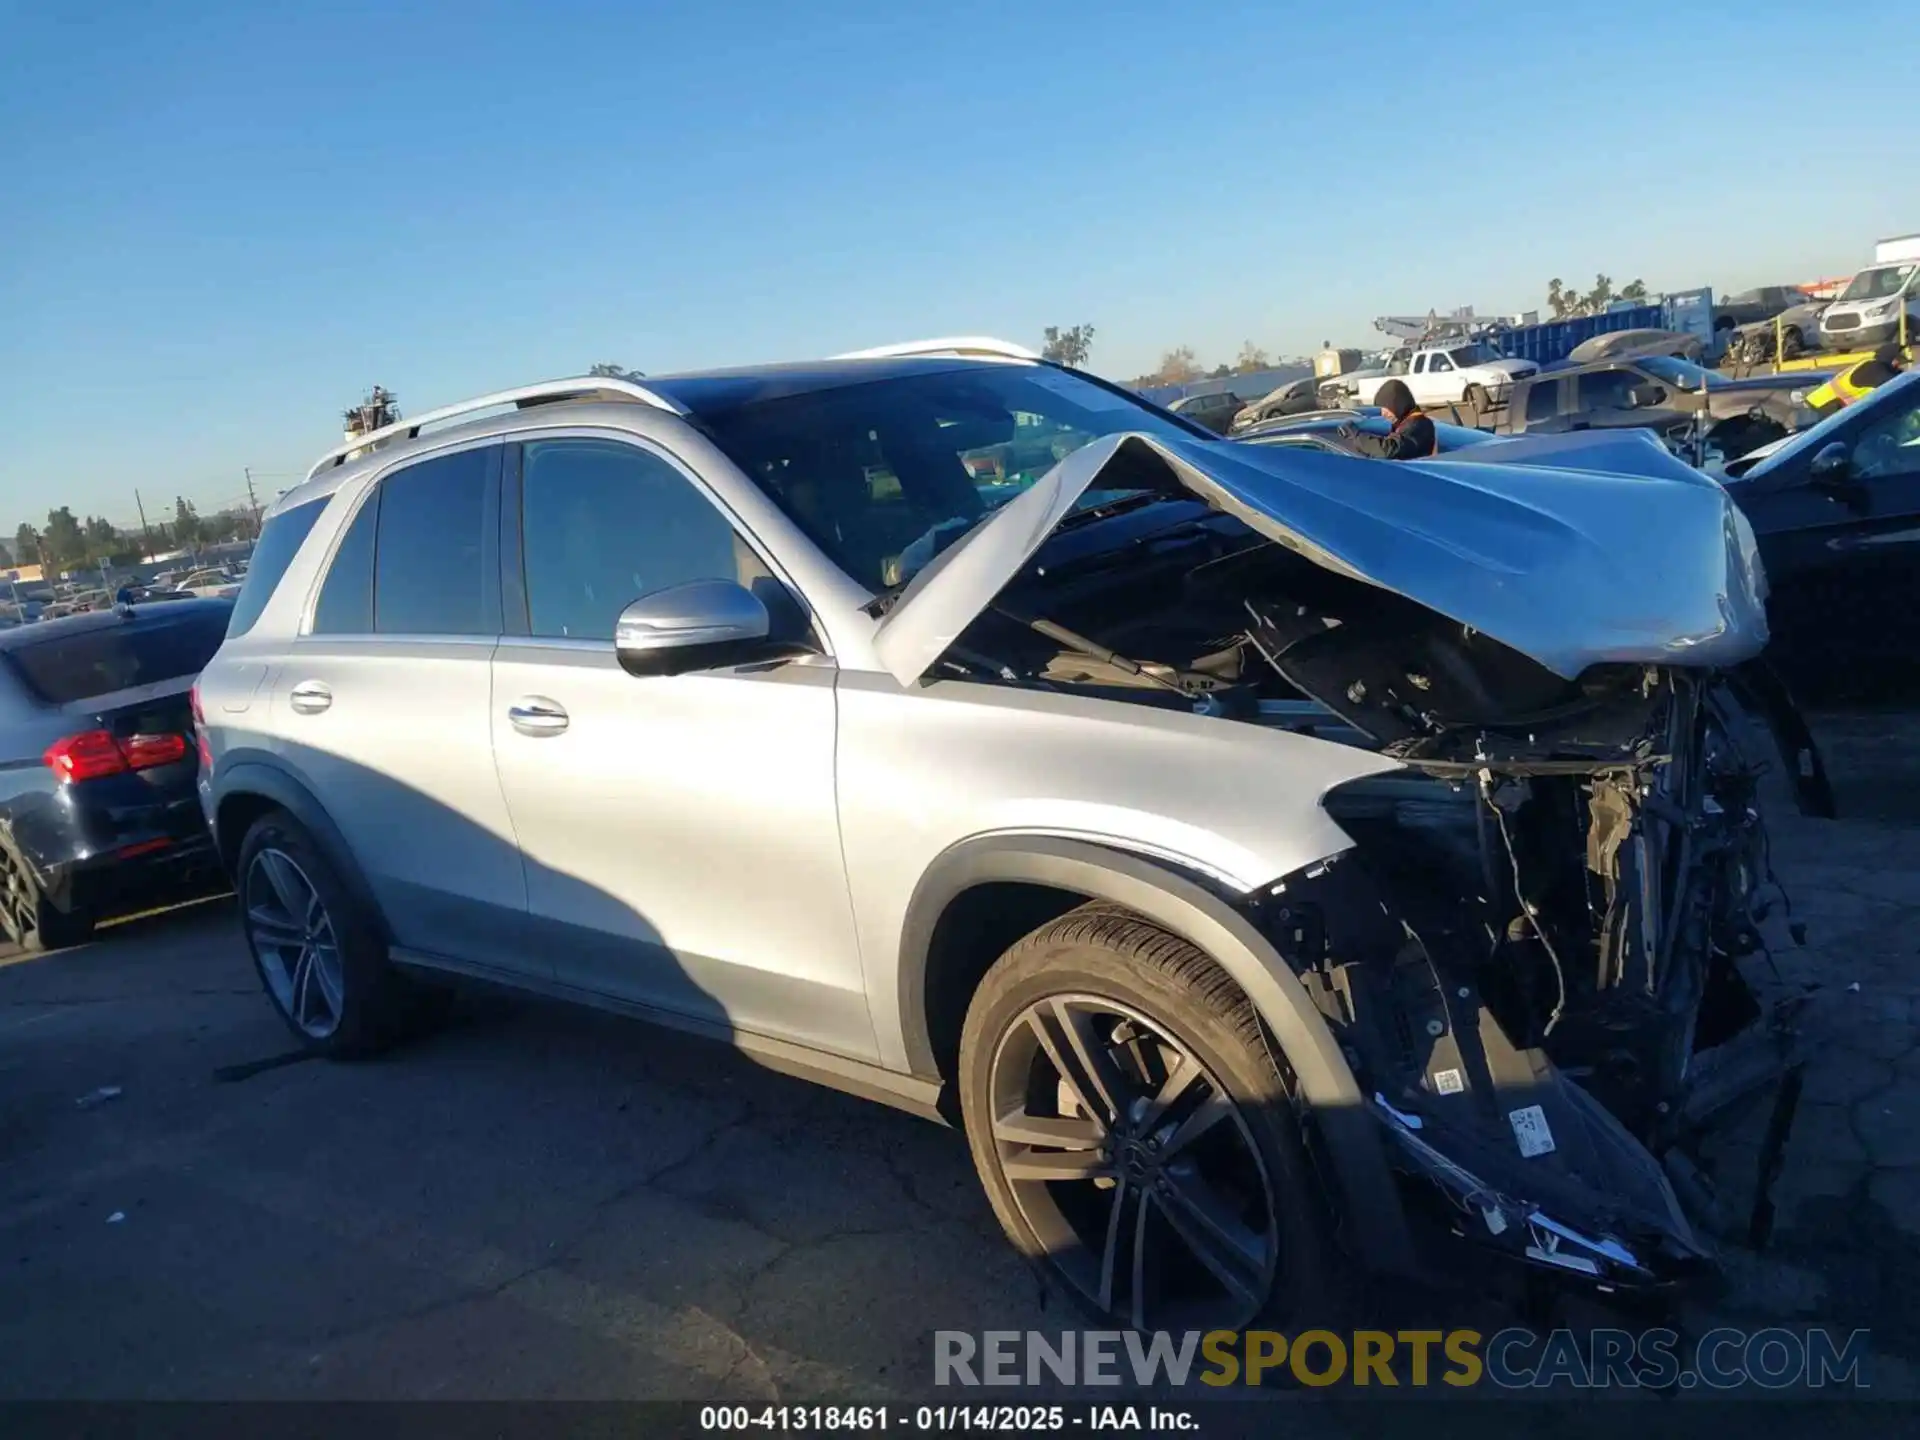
(1412, 436)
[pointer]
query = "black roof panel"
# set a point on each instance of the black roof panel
(41, 631)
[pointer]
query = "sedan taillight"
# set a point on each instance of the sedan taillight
(96, 753)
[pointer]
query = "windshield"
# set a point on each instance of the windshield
(884, 474)
(1474, 354)
(1683, 373)
(1878, 284)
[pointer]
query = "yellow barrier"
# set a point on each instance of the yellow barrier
(1832, 362)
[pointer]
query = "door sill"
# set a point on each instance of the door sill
(856, 1077)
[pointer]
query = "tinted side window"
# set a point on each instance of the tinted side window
(604, 523)
(1543, 401)
(1606, 389)
(430, 565)
(279, 542)
(345, 606)
(1890, 445)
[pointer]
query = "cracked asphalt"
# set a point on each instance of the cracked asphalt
(538, 1203)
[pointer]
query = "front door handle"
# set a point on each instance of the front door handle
(310, 697)
(537, 715)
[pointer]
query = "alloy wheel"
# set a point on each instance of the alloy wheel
(294, 939)
(16, 900)
(1133, 1168)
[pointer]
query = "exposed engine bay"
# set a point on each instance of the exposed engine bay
(1549, 956)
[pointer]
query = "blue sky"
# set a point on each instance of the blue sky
(222, 222)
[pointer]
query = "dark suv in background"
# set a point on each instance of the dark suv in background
(98, 812)
(1663, 394)
(1215, 410)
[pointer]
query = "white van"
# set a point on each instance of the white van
(1867, 312)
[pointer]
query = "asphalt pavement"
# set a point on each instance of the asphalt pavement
(538, 1203)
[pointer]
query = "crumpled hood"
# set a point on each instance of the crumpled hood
(1628, 450)
(1571, 567)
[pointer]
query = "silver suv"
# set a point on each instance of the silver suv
(1262, 853)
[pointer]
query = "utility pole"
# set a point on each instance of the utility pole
(146, 535)
(252, 502)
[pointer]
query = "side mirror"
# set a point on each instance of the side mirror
(1831, 463)
(696, 626)
(1831, 470)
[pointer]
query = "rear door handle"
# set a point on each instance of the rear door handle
(537, 715)
(310, 697)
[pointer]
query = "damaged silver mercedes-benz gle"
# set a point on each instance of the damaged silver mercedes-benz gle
(1281, 863)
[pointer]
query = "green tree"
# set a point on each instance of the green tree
(186, 524)
(102, 541)
(1178, 366)
(607, 370)
(1567, 304)
(1067, 347)
(66, 542)
(1252, 357)
(26, 545)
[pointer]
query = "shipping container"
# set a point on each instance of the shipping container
(1554, 340)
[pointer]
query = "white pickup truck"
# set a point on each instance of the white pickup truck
(1466, 372)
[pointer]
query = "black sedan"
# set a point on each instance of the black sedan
(1836, 512)
(98, 811)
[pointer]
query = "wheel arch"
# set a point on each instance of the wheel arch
(251, 787)
(1048, 875)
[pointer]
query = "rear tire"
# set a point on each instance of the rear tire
(57, 929)
(31, 920)
(1152, 1200)
(1792, 344)
(321, 955)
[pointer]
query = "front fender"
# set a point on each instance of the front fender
(1179, 904)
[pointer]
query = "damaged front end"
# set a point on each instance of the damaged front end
(1549, 959)
(1548, 955)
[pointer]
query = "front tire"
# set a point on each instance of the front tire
(1477, 399)
(319, 952)
(1133, 1133)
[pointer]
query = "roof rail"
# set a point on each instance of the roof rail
(981, 346)
(545, 390)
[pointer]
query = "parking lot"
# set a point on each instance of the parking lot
(542, 1204)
